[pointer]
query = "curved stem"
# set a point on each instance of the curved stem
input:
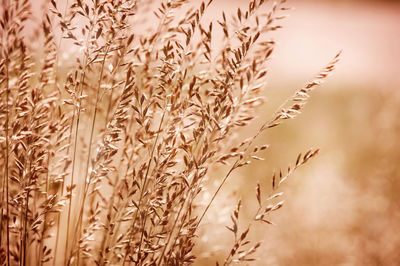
(78, 115)
(69, 142)
(143, 190)
(7, 151)
(79, 226)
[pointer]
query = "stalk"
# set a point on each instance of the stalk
(7, 151)
(69, 141)
(78, 115)
(143, 190)
(89, 149)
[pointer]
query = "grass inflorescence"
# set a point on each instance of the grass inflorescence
(109, 132)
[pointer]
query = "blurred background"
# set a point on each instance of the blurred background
(343, 207)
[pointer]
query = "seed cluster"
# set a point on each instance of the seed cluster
(105, 151)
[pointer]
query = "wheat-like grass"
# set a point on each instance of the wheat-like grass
(106, 153)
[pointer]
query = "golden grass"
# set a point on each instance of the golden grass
(105, 154)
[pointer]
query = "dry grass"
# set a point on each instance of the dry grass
(106, 152)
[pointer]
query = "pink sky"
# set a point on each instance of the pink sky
(368, 32)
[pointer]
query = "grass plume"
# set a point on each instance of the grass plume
(105, 153)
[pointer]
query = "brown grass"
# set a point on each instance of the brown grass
(105, 153)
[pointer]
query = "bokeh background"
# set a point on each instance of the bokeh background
(342, 208)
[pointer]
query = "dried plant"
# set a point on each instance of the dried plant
(105, 151)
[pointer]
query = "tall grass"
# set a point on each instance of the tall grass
(109, 132)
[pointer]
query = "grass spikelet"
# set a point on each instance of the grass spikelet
(106, 154)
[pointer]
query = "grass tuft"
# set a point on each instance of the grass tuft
(109, 134)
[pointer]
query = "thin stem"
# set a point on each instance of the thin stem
(83, 77)
(78, 114)
(234, 166)
(7, 151)
(45, 215)
(105, 239)
(72, 182)
(118, 213)
(69, 141)
(62, 192)
(143, 189)
(170, 234)
(2, 207)
(217, 191)
(79, 226)
(26, 212)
